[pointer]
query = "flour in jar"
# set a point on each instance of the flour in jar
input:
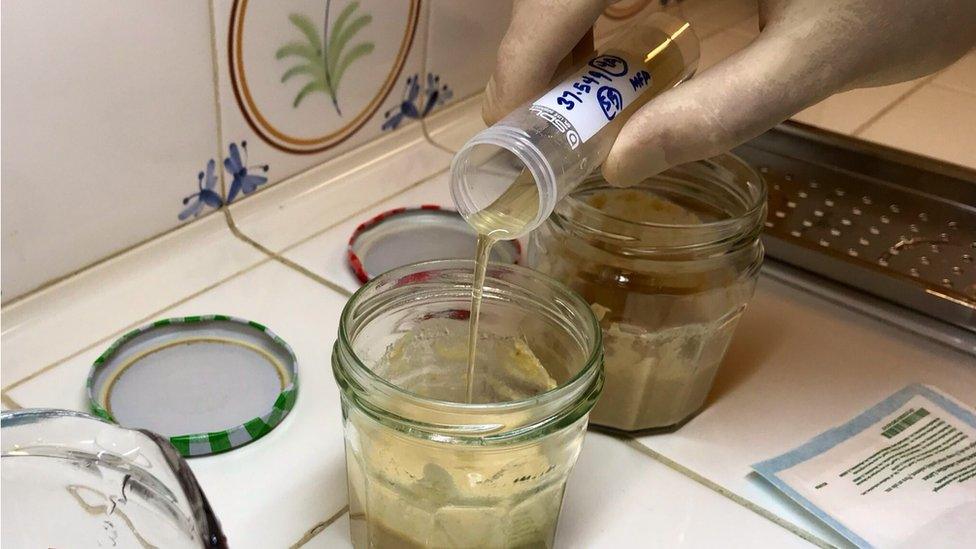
(431, 360)
(666, 319)
(412, 492)
(642, 207)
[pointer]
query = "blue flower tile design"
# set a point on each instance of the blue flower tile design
(205, 195)
(418, 100)
(242, 182)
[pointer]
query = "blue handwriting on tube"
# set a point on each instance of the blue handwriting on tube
(604, 68)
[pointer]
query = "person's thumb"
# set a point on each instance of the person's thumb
(540, 36)
(730, 103)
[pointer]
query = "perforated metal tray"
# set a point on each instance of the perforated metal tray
(895, 225)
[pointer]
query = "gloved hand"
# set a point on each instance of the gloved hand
(807, 51)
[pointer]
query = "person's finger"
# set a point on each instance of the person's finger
(541, 34)
(734, 101)
(809, 50)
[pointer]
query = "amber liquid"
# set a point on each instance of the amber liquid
(485, 242)
(506, 216)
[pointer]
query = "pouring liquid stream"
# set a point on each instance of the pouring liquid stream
(500, 220)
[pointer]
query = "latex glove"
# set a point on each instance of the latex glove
(807, 51)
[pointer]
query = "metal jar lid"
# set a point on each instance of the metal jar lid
(402, 236)
(207, 383)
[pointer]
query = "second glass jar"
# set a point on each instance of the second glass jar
(426, 469)
(668, 266)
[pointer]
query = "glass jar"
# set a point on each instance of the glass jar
(668, 266)
(75, 480)
(426, 469)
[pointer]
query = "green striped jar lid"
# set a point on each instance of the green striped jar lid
(209, 383)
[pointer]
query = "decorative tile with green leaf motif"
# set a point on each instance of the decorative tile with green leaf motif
(308, 75)
(301, 85)
(323, 59)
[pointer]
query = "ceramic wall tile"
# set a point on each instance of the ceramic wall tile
(325, 255)
(61, 320)
(935, 121)
(324, 195)
(108, 116)
(463, 43)
(305, 80)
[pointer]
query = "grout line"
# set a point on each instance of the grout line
(427, 136)
(126, 249)
(278, 256)
(360, 211)
(715, 487)
(218, 107)
(223, 180)
(270, 255)
(10, 403)
(426, 130)
(215, 71)
(100, 261)
(424, 70)
(423, 60)
(135, 324)
(318, 528)
(144, 320)
(888, 108)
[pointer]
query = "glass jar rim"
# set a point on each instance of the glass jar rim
(559, 401)
(751, 193)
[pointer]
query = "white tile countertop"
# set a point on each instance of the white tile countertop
(799, 365)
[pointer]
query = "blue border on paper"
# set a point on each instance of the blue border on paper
(821, 443)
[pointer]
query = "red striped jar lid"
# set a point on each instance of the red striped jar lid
(402, 236)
